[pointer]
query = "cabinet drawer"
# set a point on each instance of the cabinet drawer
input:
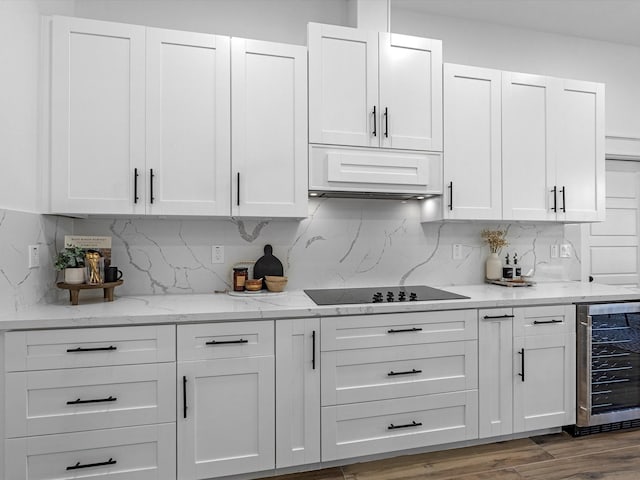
(547, 320)
(135, 453)
(225, 340)
(88, 347)
(59, 401)
(364, 331)
(350, 376)
(399, 424)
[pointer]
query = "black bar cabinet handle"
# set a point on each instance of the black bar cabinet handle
(414, 329)
(554, 190)
(521, 352)
(226, 342)
(450, 196)
(375, 122)
(151, 185)
(78, 465)
(135, 185)
(407, 425)
(542, 322)
(408, 372)
(386, 122)
(492, 317)
(564, 203)
(94, 349)
(184, 396)
(97, 400)
(238, 191)
(313, 350)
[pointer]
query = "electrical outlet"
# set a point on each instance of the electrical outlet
(217, 254)
(34, 256)
(457, 251)
(554, 251)
(565, 250)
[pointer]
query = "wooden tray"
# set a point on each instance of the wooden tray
(511, 283)
(74, 289)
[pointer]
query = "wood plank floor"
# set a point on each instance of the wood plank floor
(614, 456)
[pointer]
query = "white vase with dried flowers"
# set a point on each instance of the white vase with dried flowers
(493, 266)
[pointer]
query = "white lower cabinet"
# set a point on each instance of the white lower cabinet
(133, 453)
(368, 428)
(226, 404)
(398, 381)
(527, 369)
(297, 392)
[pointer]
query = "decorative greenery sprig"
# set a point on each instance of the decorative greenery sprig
(69, 257)
(495, 239)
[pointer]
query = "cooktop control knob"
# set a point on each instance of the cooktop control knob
(390, 297)
(377, 297)
(402, 296)
(413, 297)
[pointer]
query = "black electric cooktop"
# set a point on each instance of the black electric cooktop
(412, 293)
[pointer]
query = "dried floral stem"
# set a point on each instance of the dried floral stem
(495, 239)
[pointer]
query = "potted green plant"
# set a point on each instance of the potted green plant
(71, 261)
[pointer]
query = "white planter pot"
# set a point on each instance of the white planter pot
(74, 276)
(493, 267)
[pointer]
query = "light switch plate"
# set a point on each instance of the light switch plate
(565, 250)
(554, 251)
(457, 251)
(34, 256)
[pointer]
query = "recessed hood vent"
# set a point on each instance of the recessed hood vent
(372, 195)
(351, 172)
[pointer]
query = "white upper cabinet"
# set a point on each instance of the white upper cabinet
(528, 159)
(188, 123)
(97, 117)
(520, 147)
(580, 164)
(410, 92)
(343, 86)
(472, 158)
(374, 90)
(269, 129)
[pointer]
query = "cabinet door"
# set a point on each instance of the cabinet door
(269, 129)
(528, 143)
(343, 86)
(225, 417)
(495, 369)
(580, 158)
(544, 381)
(410, 92)
(297, 392)
(188, 123)
(97, 116)
(472, 164)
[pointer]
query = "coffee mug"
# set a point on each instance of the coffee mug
(112, 274)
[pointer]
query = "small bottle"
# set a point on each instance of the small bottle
(507, 270)
(240, 275)
(517, 270)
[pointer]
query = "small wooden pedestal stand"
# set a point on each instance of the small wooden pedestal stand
(74, 290)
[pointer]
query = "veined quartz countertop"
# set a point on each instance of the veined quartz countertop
(216, 307)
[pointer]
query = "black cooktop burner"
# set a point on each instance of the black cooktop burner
(343, 296)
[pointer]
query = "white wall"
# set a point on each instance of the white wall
(272, 20)
(496, 46)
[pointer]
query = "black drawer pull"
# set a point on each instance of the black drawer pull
(521, 352)
(97, 400)
(184, 397)
(78, 465)
(96, 349)
(542, 322)
(492, 317)
(226, 342)
(313, 348)
(409, 372)
(414, 329)
(407, 425)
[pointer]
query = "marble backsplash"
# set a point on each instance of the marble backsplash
(341, 243)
